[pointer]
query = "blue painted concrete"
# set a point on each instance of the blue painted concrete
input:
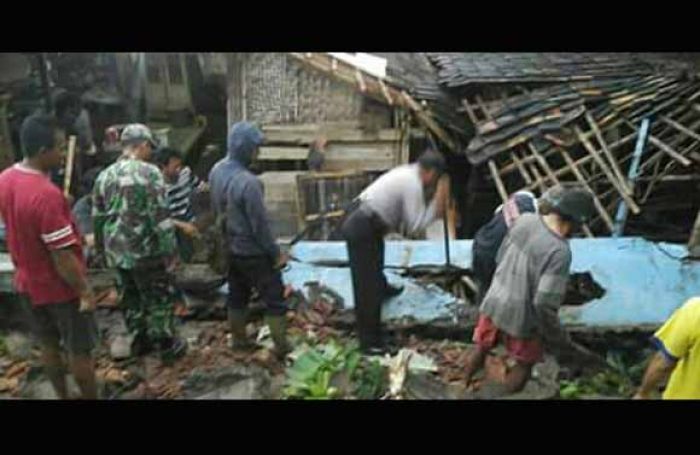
(644, 285)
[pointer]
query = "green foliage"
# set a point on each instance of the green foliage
(333, 370)
(3, 346)
(621, 380)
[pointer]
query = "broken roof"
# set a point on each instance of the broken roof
(461, 69)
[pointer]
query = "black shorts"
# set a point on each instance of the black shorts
(62, 324)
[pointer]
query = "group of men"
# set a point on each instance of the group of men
(139, 209)
(521, 262)
(130, 217)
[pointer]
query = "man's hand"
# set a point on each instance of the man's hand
(190, 229)
(282, 261)
(641, 396)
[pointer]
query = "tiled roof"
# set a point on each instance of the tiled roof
(460, 69)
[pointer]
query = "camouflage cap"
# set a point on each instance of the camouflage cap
(137, 132)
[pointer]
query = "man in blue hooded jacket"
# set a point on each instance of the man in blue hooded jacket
(255, 260)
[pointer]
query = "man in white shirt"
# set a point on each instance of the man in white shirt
(406, 199)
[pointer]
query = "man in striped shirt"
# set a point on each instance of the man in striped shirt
(181, 183)
(520, 309)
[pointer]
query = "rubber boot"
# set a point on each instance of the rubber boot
(237, 320)
(278, 332)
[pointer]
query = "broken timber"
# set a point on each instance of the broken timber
(374, 87)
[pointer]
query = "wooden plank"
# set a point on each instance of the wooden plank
(268, 153)
(608, 173)
(361, 156)
(497, 179)
(312, 127)
(606, 151)
(306, 137)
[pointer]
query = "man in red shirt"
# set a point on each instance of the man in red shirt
(46, 250)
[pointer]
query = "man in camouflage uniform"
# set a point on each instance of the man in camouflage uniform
(136, 236)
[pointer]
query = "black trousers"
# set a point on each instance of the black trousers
(364, 234)
(248, 272)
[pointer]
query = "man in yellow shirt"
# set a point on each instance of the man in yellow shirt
(678, 341)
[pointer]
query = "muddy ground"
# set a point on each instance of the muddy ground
(211, 370)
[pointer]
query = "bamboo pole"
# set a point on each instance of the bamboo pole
(608, 173)
(499, 183)
(70, 159)
(608, 154)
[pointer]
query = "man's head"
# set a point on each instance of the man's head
(43, 142)
(169, 161)
(244, 141)
(572, 204)
(67, 107)
(431, 165)
(138, 141)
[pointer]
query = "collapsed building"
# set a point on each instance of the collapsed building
(624, 125)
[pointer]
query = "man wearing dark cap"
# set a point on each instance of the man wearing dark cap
(404, 200)
(520, 309)
(135, 234)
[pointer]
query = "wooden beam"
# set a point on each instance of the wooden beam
(268, 153)
(521, 168)
(608, 173)
(360, 81)
(386, 93)
(681, 128)
(470, 112)
(543, 163)
(669, 151)
(497, 179)
(606, 151)
(579, 176)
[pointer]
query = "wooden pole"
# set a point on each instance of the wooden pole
(499, 183)
(608, 173)
(608, 154)
(68, 176)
